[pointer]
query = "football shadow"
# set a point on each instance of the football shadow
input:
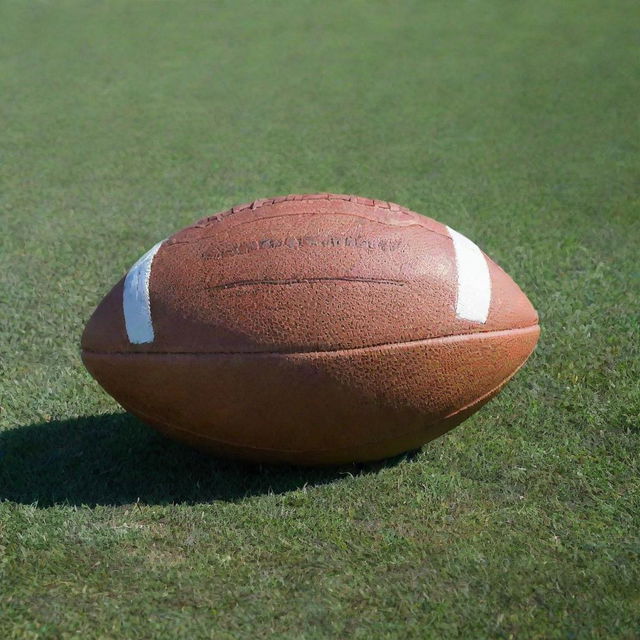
(114, 459)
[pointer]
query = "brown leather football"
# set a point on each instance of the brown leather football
(310, 329)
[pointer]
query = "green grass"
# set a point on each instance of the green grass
(514, 122)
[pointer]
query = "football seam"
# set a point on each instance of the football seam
(450, 337)
(261, 202)
(309, 280)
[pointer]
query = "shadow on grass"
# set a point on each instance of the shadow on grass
(114, 459)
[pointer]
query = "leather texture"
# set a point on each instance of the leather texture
(311, 329)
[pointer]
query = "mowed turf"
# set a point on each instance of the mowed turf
(515, 123)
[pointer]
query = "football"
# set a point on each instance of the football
(310, 329)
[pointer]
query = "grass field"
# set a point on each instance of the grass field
(514, 122)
